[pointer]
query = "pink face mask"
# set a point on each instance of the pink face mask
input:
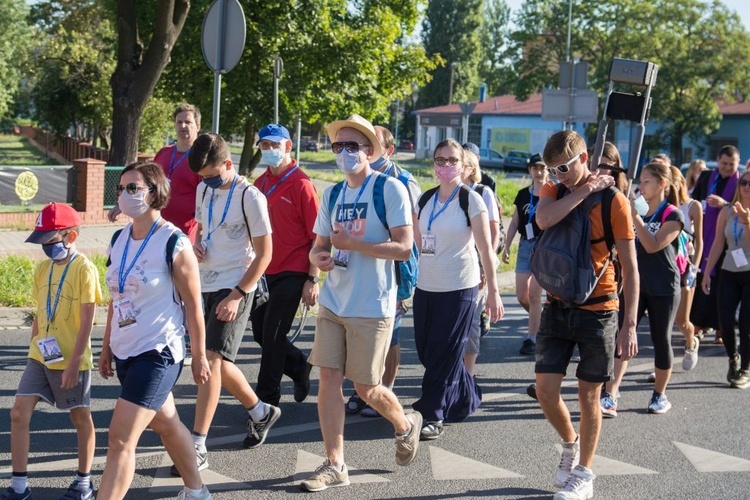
(448, 172)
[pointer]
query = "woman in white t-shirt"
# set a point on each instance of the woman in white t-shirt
(453, 225)
(152, 273)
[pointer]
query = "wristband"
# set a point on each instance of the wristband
(241, 291)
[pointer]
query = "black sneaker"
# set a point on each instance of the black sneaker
(302, 386)
(257, 431)
(734, 368)
(201, 459)
(531, 391)
(528, 348)
(76, 491)
(10, 494)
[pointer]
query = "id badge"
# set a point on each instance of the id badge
(740, 260)
(529, 231)
(703, 206)
(428, 245)
(50, 350)
(124, 314)
(341, 259)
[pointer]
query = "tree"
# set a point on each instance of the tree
(15, 37)
(702, 50)
(451, 30)
(493, 67)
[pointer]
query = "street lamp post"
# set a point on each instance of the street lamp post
(450, 88)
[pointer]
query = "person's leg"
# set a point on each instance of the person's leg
(386, 403)
(591, 419)
(207, 399)
(392, 363)
(331, 413)
(744, 322)
(661, 314)
(475, 333)
(20, 417)
(729, 297)
(683, 316)
(522, 289)
(535, 306)
(84, 425)
(557, 414)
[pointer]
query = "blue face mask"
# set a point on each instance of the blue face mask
(56, 251)
(215, 182)
(379, 163)
(348, 162)
(272, 157)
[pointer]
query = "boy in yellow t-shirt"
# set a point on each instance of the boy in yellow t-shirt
(66, 288)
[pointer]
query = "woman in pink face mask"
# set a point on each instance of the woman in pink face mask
(454, 236)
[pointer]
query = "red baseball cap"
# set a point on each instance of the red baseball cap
(51, 219)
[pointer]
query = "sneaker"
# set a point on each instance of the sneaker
(659, 404)
(355, 404)
(608, 404)
(742, 381)
(201, 459)
(408, 444)
(578, 486)
(431, 431)
(76, 491)
(691, 356)
(302, 386)
(734, 368)
(10, 494)
(531, 391)
(528, 348)
(651, 377)
(568, 460)
(257, 431)
(369, 412)
(326, 476)
(186, 495)
(484, 324)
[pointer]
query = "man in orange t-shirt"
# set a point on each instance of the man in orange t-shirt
(592, 327)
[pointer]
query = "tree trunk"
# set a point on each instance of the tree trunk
(250, 157)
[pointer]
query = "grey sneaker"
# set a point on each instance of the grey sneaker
(579, 486)
(186, 495)
(568, 460)
(408, 444)
(257, 431)
(742, 381)
(691, 356)
(201, 459)
(431, 431)
(326, 476)
(76, 491)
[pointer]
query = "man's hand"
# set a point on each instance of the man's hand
(199, 252)
(627, 343)
(323, 260)
(599, 182)
(310, 292)
(70, 377)
(716, 201)
(227, 309)
(340, 237)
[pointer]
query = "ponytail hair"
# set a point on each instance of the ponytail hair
(680, 186)
(663, 172)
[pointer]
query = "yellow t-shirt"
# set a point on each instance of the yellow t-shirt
(81, 286)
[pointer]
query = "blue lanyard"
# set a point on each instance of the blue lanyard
(434, 215)
(658, 210)
(356, 200)
(226, 209)
(172, 164)
(273, 188)
(532, 205)
(737, 234)
(713, 186)
(123, 274)
(52, 308)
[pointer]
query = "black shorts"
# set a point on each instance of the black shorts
(225, 337)
(563, 328)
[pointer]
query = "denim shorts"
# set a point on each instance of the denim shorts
(148, 378)
(563, 328)
(523, 259)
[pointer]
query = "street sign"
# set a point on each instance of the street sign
(574, 75)
(556, 106)
(467, 107)
(278, 67)
(223, 35)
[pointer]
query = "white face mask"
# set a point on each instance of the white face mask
(641, 206)
(272, 157)
(348, 162)
(133, 205)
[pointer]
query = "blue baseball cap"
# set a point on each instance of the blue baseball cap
(274, 133)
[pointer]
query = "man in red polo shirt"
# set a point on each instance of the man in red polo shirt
(293, 208)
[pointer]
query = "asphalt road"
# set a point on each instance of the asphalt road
(699, 450)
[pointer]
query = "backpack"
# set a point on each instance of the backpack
(479, 188)
(406, 270)
(682, 258)
(561, 257)
(463, 200)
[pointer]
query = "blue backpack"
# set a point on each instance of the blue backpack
(406, 270)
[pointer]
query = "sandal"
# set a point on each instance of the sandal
(355, 404)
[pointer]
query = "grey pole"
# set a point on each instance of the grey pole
(299, 132)
(217, 74)
(278, 68)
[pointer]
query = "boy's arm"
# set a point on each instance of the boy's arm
(70, 374)
(552, 211)
(227, 308)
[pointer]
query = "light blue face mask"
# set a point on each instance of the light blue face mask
(56, 251)
(379, 163)
(348, 162)
(272, 157)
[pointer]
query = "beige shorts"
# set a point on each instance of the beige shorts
(356, 346)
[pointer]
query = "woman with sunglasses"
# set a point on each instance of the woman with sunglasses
(144, 332)
(447, 287)
(733, 232)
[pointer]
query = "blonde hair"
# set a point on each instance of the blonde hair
(472, 164)
(679, 184)
(736, 196)
(563, 143)
(691, 179)
(663, 172)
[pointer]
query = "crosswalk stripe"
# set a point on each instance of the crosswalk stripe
(164, 482)
(712, 461)
(449, 466)
(603, 466)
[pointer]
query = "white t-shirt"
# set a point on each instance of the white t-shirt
(455, 265)
(367, 288)
(493, 212)
(229, 250)
(149, 295)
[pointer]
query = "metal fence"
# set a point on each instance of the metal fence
(111, 179)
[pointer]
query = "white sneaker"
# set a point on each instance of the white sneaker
(579, 486)
(691, 356)
(568, 460)
(186, 495)
(651, 377)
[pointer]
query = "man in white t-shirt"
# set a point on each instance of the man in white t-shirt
(358, 299)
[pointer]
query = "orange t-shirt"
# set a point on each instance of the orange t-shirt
(622, 229)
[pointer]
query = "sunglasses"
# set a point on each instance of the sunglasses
(350, 146)
(563, 167)
(744, 183)
(442, 162)
(131, 188)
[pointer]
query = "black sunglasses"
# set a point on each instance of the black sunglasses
(744, 182)
(132, 188)
(350, 146)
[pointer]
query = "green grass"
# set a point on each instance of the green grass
(16, 287)
(319, 157)
(16, 150)
(511, 265)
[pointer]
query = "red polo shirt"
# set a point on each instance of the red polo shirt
(293, 208)
(183, 182)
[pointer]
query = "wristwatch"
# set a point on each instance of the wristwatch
(313, 279)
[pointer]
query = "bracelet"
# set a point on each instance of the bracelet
(241, 291)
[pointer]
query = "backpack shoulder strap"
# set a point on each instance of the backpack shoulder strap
(378, 199)
(171, 244)
(667, 210)
(425, 198)
(479, 188)
(244, 213)
(608, 197)
(112, 244)
(335, 190)
(463, 201)
(203, 196)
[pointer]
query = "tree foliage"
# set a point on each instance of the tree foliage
(15, 37)
(702, 49)
(493, 66)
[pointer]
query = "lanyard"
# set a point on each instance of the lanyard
(172, 164)
(356, 200)
(737, 234)
(532, 204)
(226, 209)
(123, 274)
(713, 186)
(658, 210)
(52, 308)
(273, 188)
(434, 215)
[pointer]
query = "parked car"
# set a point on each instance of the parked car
(489, 158)
(517, 160)
(406, 145)
(311, 146)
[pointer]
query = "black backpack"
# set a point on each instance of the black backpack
(463, 201)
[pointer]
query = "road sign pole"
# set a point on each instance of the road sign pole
(278, 68)
(299, 132)
(220, 62)
(217, 103)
